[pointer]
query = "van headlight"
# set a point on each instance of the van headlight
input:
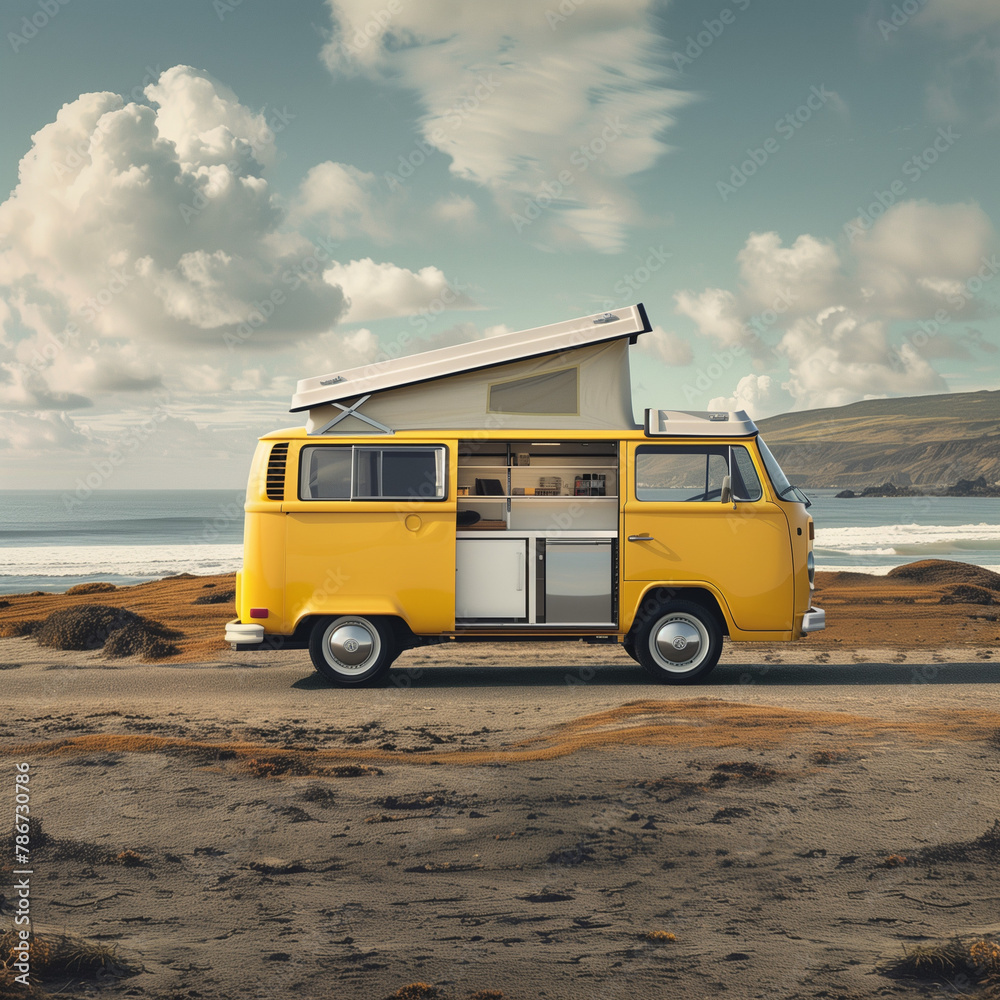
(811, 566)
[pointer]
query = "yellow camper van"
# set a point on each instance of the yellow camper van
(502, 490)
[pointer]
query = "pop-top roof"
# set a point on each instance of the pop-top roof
(629, 321)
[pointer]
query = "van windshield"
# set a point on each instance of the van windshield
(784, 489)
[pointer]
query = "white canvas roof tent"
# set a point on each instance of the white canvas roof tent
(569, 375)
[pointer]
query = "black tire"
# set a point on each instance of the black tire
(628, 644)
(352, 650)
(679, 642)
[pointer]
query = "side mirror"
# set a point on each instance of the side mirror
(727, 490)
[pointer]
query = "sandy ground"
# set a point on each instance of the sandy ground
(530, 819)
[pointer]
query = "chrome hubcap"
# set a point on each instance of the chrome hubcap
(679, 642)
(351, 645)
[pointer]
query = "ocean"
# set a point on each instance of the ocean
(50, 540)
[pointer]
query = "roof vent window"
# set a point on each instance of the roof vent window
(548, 393)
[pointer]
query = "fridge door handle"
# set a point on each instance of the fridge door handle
(520, 570)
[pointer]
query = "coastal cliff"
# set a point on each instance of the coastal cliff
(928, 442)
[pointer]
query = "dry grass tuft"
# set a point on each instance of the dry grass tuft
(967, 593)
(96, 587)
(895, 861)
(130, 859)
(742, 770)
(660, 937)
(430, 801)
(56, 957)
(976, 960)
(261, 768)
(119, 631)
(355, 771)
(216, 597)
(11, 989)
(487, 995)
(139, 640)
(19, 627)
(417, 991)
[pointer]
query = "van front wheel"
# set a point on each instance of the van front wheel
(679, 643)
(352, 650)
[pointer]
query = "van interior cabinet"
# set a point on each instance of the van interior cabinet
(578, 581)
(491, 579)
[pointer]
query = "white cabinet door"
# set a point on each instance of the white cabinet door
(491, 578)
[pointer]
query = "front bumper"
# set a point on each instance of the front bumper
(814, 620)
(244, 636)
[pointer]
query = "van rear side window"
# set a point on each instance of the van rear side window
(361, 472)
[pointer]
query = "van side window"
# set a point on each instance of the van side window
(745, 481)
(678, 473)
(346, 472)
(326, 473)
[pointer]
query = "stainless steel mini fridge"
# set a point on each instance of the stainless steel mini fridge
(578, 587)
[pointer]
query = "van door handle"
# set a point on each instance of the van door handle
(641, 538)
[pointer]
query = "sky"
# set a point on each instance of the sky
(206, 200)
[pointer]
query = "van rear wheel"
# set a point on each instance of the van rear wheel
(353, 650)
(679, 643)
(628, 644)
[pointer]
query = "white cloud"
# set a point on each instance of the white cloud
(205, 121)
(760, 395)
(826, 314)
(961, 17)
(21, 388)
(839, 358)
(919, 255)
(716, 312)
(965, 82)
(378, 291)
(150, 224)
(804, 276)
(32, 433)
(343, 199)
(334, 352)
(457, 210)
(594, 81)
(669, 347)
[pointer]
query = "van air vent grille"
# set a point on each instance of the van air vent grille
(275, 487)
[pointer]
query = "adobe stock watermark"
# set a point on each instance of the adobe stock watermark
(713, 28)
(45, 11)
(455, 118)
(913, 169)
(555, 190)
(634, 280)
(786, 127)
(46, 353)
(374, 27)
(292, 278)
(223, 8)
(755, 328)
(105, 468)
(898, 17)
(929, 329)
